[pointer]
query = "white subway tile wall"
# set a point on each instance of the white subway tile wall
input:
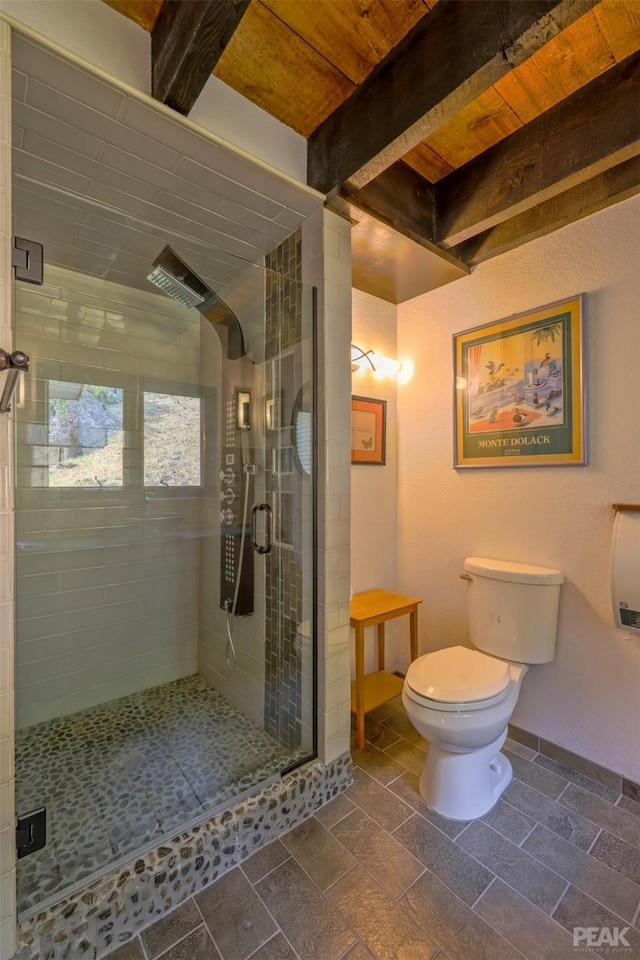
(107, 578)
(7, 782)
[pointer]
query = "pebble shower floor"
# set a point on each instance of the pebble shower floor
(119, 776)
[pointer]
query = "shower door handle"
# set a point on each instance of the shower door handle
(268, 525)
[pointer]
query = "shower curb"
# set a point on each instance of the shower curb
(112, 910)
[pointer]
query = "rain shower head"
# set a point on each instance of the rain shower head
(166, 282)
(172, 275)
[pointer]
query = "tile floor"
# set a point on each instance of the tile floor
(118, 776)
(377, 874)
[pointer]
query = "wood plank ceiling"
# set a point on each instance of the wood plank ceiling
(467, 127)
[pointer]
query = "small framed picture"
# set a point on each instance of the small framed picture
(368, 430)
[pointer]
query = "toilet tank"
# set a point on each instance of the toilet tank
(513, 609)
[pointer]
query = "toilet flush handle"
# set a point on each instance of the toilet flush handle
(465, 576)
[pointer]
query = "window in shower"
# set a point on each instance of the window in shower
(172, 448)
(84, 435)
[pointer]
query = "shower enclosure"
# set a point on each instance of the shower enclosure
(165, 534)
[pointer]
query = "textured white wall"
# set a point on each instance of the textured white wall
(588, 699)
(374, 489)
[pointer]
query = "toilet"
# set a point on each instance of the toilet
(461, 700)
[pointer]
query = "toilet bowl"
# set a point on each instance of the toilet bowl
(461, 700)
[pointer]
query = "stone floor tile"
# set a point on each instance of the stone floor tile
(567, 824)
(334, 811)
(407, 787)
(400, 723)
(409, 755)
(614, 820)
(574, 776)
(380, 923)
(516, 867)
(537, 936)
(508, 821)
(463, 935)
(377, 763)
(514, 747)
(171, 928)
(590, 769)
(387, 860)
(197, 946)
(237, 920)
(585, 872)
(359, 952)
(453, 866)
(523, 736)
(620, 856)
(378, 734)
(318, 852)
(308, 920)
(630, 805)
(576, 909)
(378, 803)
(130, 951)
(264, 860)
(536, 776)
(275, 949)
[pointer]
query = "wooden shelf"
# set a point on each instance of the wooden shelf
(378, 688)
(626, 506)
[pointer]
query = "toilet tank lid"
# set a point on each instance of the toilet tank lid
(515, 572)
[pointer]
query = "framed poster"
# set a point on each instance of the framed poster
(519, 390)
(368, 429)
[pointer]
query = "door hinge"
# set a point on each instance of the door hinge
(31, 832)
(27, 258)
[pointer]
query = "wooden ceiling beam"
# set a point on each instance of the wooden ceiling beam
(603, 190)
(454, 53)
(596, 128)
(399, 197)
(187, 41)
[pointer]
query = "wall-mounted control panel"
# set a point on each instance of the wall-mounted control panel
(233, 487)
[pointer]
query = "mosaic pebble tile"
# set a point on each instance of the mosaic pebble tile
(117, 776)
(110, 911)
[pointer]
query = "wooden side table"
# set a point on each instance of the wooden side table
(368, 609)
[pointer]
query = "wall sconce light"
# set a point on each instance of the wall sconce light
(243, 408)
(380, 366)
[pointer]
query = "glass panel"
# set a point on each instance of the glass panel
(165, 660)
(160, 658)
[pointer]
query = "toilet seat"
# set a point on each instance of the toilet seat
(457, 678)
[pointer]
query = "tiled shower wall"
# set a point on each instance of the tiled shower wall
(284, 586)
(7, 783)
(107, 578)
